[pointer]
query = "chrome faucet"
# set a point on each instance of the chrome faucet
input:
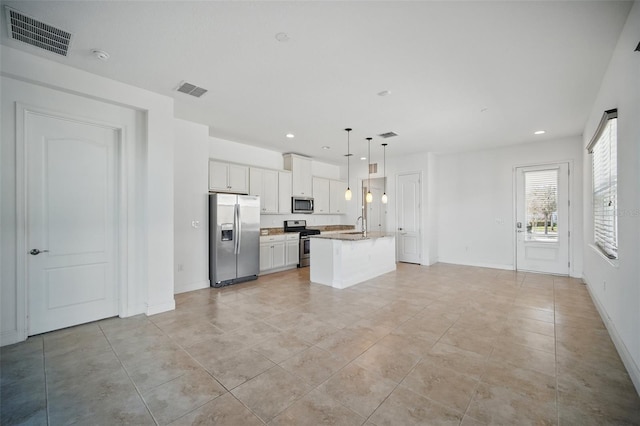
(363, 229)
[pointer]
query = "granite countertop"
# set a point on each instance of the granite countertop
(321, 228)
(353, 236)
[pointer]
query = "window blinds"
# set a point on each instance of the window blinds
(603, 148)
(541, 198)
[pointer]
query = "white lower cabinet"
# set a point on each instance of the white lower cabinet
(272, 252)
(292, 249)
(278, 252)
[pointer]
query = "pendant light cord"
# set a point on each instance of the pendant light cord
(384, 165)
(369, 168)
(348, 155)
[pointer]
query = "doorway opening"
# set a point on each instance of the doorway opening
(375, 212)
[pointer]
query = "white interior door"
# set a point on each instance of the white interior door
(542, 219)
(408, 207)
(71, 222)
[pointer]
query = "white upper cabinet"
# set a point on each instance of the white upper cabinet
(284, 192)
(300, 167)
(337, 203)
(264, 183)
(320, 195)
(328, 196)
(239, 178)
(228, 177)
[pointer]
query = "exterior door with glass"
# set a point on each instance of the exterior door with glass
(542, 219)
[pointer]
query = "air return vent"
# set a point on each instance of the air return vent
(388, 135)
(191, 89)
(373, 168)
(36, 33)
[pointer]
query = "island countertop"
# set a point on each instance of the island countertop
(353, 236)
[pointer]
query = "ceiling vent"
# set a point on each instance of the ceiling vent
(191, 89)
(388, 135)
(36, 33)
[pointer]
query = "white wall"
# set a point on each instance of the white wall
(615, 286)
(475, 202)
(42, 83)
(191, 178)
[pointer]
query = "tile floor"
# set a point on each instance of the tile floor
(423, 345)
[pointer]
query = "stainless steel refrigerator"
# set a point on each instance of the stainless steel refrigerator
(234, 238)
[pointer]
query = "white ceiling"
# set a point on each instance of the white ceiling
(462, 75)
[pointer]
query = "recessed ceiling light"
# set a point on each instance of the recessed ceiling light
(363, 158)
(282, 37)
(384, 93)
(290, 135)
(326, 147)
(539, 132)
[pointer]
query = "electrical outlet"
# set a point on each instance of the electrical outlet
(180, 267)
(195, 224)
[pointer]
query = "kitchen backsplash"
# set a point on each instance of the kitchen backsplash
(277, 221)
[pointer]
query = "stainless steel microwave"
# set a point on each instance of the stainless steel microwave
(301, 205)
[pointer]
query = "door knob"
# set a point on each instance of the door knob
(36, 251)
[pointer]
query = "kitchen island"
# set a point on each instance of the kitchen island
(346, 259)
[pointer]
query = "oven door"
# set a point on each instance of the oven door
(305, 252)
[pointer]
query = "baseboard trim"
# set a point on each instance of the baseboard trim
(199, 285)
(9, 337)
(161, 307)
(479, 265)
(625, 355)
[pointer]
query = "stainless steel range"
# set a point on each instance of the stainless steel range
(305, 245)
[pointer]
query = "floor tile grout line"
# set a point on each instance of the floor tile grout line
(555, 342)
(135, 386)
(229, 391)
(46, 385)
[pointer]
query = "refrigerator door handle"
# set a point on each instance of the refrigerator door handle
(238, 229)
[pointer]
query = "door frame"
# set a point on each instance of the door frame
(420, 218)
(22, 232)
(514, 234)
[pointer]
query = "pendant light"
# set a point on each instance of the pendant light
(385, 199)
(347, 193)
(369, 197)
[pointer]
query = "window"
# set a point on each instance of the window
(603, 148)
(541, 200)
